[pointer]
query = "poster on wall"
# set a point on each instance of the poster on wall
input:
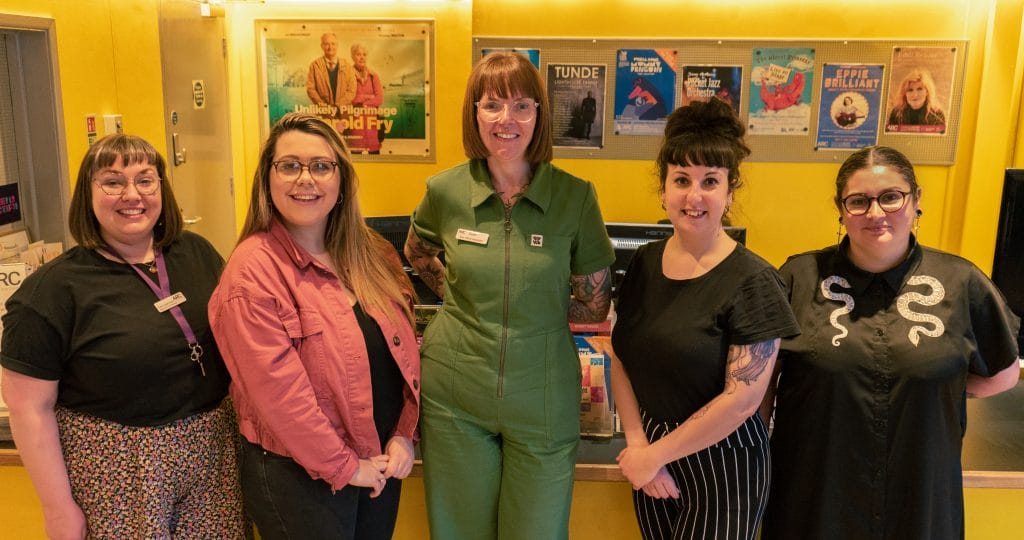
(781, 80)
(532, 54)
(370, 79)
(849, 109)
(645, 90)
(920, 90)
(576, 95)
(701, 83)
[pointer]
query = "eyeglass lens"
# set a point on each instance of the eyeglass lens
(522, 110)
(117, 185)
(888, 201)
(292, 170)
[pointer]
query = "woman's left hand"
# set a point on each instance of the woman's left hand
(399, 449)
(638, 465)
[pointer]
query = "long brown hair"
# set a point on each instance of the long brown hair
(371, 268)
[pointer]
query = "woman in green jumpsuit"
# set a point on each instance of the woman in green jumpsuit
(501, 375)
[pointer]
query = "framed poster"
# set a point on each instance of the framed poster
(645, 90)
(850, 106)
(576, 95)
(781, 80)
(370, 78)
(703, 82)
(920, 90)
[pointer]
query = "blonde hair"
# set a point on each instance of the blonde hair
(371, 266)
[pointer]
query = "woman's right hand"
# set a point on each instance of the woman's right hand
(371, 474)
(65, 523)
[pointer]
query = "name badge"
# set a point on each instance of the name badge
(536, 240)
(475, 237)
(164, 304)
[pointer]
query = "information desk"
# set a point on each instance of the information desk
(993, 454)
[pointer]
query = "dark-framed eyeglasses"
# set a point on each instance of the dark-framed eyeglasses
(520, 110)
(319, 169)
(890, 201)
(116, 184)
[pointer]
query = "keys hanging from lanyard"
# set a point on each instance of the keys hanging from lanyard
(196, 355)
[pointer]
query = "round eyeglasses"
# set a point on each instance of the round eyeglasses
(520, 110)
(116, 184)
(890, 201)
(319, 169)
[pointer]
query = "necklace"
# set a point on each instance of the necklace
(511, 201)
(151, 266)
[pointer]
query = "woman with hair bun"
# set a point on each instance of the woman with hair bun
(699, 323)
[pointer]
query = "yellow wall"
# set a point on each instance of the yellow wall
(108, 55)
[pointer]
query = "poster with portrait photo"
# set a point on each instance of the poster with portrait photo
(849, 110)
(701, 83)
(576, 95)
(920, 90)
(370, 79)
(781, 83)
(645, 90)
(533, 55)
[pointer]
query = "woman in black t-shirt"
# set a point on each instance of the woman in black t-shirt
(699, 322)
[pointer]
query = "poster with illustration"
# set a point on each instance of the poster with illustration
(701, 83)
(532, 54)
(849, 110)
(645, 90)
(781, 82)
(368, 78)
(920, 90)
(576, 95)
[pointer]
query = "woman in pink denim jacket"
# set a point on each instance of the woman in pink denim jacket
(313, 318)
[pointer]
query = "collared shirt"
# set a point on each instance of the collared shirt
(507, 281)
(298, 359)
(871, 408)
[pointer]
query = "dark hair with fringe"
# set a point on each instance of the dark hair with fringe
(872, 156)
(705, 134)
(129, 150)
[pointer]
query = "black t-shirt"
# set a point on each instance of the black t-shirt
(90, 323)
(870, 408)
(673, 336)
(386, 381)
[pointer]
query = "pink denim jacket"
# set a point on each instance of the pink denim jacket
(298, 362)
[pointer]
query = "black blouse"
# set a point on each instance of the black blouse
(870, 408)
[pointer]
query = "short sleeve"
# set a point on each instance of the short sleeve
(995, 327)
(761, 311)
(31, 345)
(592, 250)
(425, 220)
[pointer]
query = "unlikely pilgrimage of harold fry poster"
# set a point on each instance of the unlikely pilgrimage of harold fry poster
(850, 106)
(780, 91)
(576, 94)
(645, 90)
(701, 83)
(370, 79)
(920, 90)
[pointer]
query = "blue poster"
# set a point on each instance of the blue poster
(645, 90)
(780, 91)
(533, 55)
(849, 109)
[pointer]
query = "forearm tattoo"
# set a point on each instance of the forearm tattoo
(759, 355)
(592, 296)
(423, 258)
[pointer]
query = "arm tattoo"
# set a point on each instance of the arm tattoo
(592, 296)
(423, 258)
(759, 354)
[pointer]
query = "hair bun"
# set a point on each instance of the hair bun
(714, 117)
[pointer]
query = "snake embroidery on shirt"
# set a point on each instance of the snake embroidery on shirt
(936, 296)
(847, 300)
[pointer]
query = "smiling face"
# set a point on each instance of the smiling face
(126, 221)
(695, 198)
(878, 241)
(304, 204)
(505, 138)
(359, 57)
(329, 44)
(916, 95)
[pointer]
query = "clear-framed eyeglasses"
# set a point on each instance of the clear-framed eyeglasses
(319, 169)
(520, 110)
(890, 201)
(116, 184)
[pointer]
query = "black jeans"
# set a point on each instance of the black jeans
(285, 503)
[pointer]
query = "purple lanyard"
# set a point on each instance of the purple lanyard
(163, 291)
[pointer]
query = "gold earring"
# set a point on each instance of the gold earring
(839, 232)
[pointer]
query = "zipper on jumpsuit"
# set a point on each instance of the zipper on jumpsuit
(504, 305)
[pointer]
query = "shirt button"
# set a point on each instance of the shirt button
(879, 332)
(396, 340)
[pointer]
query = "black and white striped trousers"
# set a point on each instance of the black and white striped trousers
(723, 488)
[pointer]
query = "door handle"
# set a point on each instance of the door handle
(179, 155)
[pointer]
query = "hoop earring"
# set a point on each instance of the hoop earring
(341, 199)
(839, 232)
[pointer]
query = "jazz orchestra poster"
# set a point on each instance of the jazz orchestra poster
(645, 90)
(781, 82)
(370, 79)
(576, 95)
(701, 83)
(849, 110)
